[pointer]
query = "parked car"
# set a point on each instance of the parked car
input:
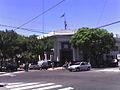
(43, 64)
(34, 66)
(2, 68)
(79, 66)
(22, 66)
(11, 67)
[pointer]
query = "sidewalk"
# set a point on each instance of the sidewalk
(56, 68)
(113, 69)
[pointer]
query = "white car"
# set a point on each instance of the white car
(43, 64)
(79, 66)
(34, 66)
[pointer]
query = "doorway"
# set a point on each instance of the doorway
(66, 55)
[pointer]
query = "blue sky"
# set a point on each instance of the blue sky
(79, 13)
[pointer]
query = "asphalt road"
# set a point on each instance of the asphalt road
(62, 80)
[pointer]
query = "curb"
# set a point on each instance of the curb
(55, 68)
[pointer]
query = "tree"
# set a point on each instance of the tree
(46, 46)
(93, 43)
(7, 45)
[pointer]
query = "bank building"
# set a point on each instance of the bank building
(63, 51)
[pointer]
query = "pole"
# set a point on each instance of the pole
(65, 23)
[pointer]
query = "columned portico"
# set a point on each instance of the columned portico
(62, 50)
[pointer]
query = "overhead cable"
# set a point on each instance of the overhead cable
(31, 30)
(108, 24)
(40, 14)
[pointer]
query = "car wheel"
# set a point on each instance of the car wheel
(88, 68)
(77, 69)
(70, 70)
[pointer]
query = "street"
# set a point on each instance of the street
(62, 80)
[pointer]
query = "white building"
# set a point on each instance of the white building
(63, 50)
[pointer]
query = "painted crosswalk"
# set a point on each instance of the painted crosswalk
(11, 74)
(36, 86)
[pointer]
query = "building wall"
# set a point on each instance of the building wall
(58, 40)
(57, 45)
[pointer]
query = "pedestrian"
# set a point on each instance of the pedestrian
(65, 65)
(119, 64)
(69, 63)
(26, 66)
(52, 64)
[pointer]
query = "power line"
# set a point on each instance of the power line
(102, 12)
(108, 24)
(43, 18)
(31, 30)
(40, 14)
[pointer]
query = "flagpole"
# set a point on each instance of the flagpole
(65, 23)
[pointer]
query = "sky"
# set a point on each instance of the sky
(78, 13)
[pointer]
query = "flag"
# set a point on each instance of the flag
(63, 15)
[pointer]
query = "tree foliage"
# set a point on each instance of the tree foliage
(13, 45)
(8, 40)
(93, 43)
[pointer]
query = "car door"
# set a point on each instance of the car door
(82, 66)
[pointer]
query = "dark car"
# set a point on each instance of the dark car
(11, 67)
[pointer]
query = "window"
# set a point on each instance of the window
(82, 63)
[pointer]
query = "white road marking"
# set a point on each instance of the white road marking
(21, 85)
(11, 74)
(8, 74)
(9, 84)
(49, 87)
(67, 88)
(32, 86)
(35, 86)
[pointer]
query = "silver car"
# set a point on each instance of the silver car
(79, 66)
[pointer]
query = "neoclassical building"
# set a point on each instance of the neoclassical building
(63, 50)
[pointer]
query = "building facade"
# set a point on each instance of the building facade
(63, 51)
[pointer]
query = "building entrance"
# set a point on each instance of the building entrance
(66, 55)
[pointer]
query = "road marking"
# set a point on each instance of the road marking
(35, 86)
(68, 88)
(8, 74)
(12, 74)
(8, 84)
(32, 86)
(21, 85)
(49, 87)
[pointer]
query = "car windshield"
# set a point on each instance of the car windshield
(77, 63)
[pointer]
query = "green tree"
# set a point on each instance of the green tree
(93, 43)
(7, 45)
(46, 44)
